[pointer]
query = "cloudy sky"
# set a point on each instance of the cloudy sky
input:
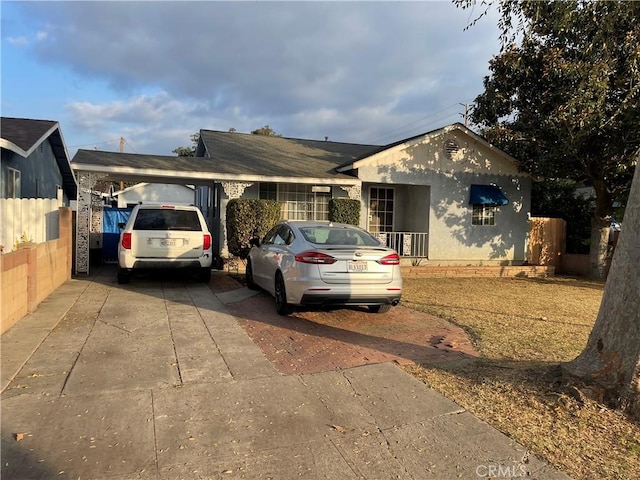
(154, 72)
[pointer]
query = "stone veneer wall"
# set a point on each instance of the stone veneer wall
(478, 271)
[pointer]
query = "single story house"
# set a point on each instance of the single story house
(445, 197)
(35, 180)
(34, 162)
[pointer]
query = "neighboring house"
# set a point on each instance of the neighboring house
(154, 192)
(34, 161)
(446, 196)
(35, 180)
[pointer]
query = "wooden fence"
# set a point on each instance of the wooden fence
(28, 220)
(547, 240)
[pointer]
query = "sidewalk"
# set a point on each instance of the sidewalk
(156, 380)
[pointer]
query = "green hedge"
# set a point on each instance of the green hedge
(344, 210)
(246, 216)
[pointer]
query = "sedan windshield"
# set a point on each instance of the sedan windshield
(325, 235)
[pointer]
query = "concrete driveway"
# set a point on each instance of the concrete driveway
(158, 380)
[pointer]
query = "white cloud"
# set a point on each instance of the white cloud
(18, 41)
(352, 71)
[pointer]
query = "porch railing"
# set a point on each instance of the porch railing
(407, 244)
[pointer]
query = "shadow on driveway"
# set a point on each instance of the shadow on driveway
(315, 340)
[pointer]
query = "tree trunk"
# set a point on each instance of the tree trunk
(611, 358)
(600, 228)
(598, 250)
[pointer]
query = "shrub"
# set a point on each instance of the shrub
(246, 216)
(344, 210)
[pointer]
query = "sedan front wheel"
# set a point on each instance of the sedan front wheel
(282, 307)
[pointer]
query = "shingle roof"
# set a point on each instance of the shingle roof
(24, 135)
(280, 156)
(242, 155)
(137, 161)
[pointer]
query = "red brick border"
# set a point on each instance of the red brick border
(317, 340)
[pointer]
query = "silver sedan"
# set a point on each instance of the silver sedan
(322, 263)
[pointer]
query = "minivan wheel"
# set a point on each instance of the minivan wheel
(380, 308)
(204, 275)
(282, 307)
(123, 277)
(248, 276)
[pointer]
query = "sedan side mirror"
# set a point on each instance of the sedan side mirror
(254, 241)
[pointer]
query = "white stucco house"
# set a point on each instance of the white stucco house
(461, 199)
(446, 197)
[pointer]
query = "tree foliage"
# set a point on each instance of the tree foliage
(565, 99)
(267, 131)
(558, 199)
(188, 151)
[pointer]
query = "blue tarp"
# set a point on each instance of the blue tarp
(111, 233)
(487, 195)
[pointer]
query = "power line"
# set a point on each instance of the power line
(114, 141)
(91, 144)
(394, 134)
(131, 147)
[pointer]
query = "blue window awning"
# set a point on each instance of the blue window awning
(487, 195)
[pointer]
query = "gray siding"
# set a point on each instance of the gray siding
(39, 173)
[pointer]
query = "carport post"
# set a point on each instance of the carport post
(85, 217)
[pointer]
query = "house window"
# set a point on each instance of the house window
(320, 209)
(13, 183)
(297, 202)
(483, 215)
(268, 191)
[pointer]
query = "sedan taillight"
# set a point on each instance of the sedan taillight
(126, 241)
(315, 257)
(391, 259)
(206, 242)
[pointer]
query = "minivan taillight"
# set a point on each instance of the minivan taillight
(126, 241)
(206, 242)
(391, 259)
(315, 257)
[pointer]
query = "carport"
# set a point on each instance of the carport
(223, 181)
(92, 166)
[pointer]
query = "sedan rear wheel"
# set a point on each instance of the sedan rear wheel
(379, 308)
(282, 307)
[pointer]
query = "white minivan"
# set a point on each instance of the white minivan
(165, 237)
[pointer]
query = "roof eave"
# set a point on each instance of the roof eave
(213, 176)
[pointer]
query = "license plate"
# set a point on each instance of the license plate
(357, 266)
(168, 242)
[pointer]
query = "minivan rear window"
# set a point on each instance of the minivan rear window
(156, 219)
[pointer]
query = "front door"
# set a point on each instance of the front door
(381, 201)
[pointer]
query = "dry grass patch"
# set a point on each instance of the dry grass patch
(523, 329)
